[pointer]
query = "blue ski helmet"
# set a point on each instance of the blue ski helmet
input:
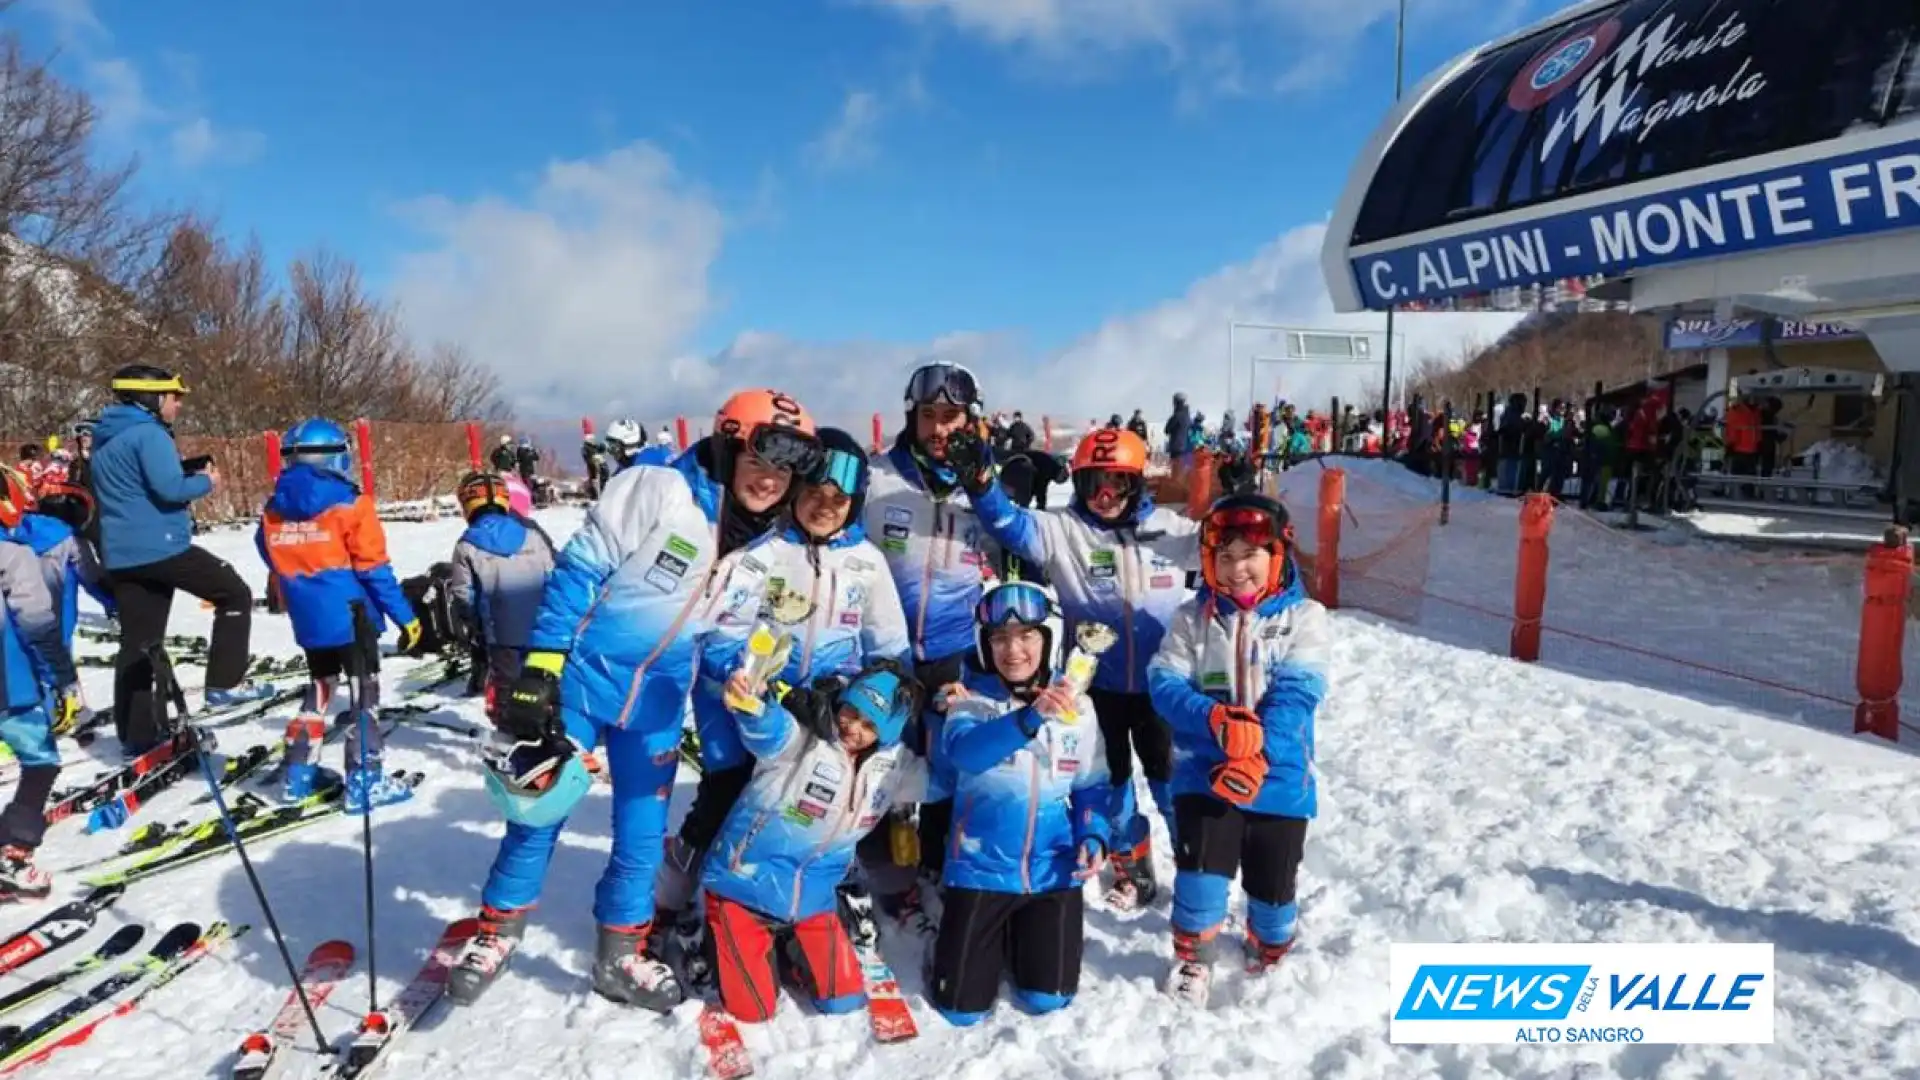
(318, 443)
(883, 699)
(537, 784)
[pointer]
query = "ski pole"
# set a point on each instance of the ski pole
(203, 747)
(364, 638)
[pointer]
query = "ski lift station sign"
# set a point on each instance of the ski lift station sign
(1634, 134)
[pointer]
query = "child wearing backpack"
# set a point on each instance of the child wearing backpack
(500, 568)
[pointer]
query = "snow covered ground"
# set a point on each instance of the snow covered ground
(1465, 798)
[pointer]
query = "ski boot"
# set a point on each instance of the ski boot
(1261, 957)
(486, 954)
(20, 878)
(627, 971)
(369, 786)
(856, 912)
(245, 693)
(909, 908)
(1134, 886)
(686, 950)
(1192, 977)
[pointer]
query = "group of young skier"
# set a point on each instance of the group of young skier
(881, 713)
(883, 717)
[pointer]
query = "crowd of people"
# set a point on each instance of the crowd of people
(893, 718)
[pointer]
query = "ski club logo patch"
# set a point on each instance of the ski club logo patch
(860, 566)
(895, 532)
(661, 581)
(1560, 65)
(670, 563)
(898, 515)
(833, 772)
(1162, 581)
(821, 792)
(1101, 564)
(850, 618)
(681, 547)
(813, 811)
(856, 596)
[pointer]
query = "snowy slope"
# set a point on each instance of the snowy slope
(1465, 798)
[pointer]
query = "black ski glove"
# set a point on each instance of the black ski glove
(816, 709)
(971, 459)
(532, 708)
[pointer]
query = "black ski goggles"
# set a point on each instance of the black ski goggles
(951, 384)
(785, 448)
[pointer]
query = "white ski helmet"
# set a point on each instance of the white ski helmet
(624, 431)
(663, 437)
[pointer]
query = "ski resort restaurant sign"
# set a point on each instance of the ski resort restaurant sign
(1637, 133)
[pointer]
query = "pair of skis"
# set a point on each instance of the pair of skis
(69, 1026)
(264, 1052)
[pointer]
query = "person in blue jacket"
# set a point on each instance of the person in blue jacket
(828, 766)
(54, 527)
(611, 660)
(1240, 676)
(36, 671)
(829, 593)
(142, 490)
(1121, 562)
(322, 539)
(1034, 813)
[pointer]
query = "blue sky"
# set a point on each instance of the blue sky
(641, 205)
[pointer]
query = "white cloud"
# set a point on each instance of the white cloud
(131, 114)
(852, 139)
(586, 295)
(582, 296)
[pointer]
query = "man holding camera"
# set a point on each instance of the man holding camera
(142, 489)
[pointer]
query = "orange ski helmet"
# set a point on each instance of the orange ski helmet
(775, 427)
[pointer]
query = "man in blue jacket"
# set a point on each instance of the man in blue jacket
(142, 490)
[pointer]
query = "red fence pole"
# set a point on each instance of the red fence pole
(1883, 635)
(473, 444)
(586, 427)
(1046, 434)
(363, 435)
(1530, 577)
(272, 439)
(879, 434)
(680, 429)
(1326, 542)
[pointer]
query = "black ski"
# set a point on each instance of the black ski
(62, 926)
(14, 1039)
(122, 941)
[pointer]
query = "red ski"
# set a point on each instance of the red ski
(892, 1021)
(367, 1052)
(262, 1052)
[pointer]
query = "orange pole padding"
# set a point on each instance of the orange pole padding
(272, 439)
(1326, 544)
(586, 427)
(1046, 434)
(363, 435)
(1883, 631)
(1530, 577)
(680, 430)
(1200, 484)
(473, 444)
(879, 434)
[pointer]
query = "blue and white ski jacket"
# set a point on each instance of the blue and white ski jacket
(1273, 660)
(1132, 576)
(934, 547)
(1027, 792)
(67, 564)
(789, 840)
(634, 594)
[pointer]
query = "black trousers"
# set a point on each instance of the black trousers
(144, 595)
(1217, 837)
(1129, 725)
(983, 933)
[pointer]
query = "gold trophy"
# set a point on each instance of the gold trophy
(769, 644)
(1090, 640)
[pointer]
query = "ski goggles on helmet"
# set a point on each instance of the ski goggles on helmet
(1019, 603)
(1089, 482)
(839, 468)
(1250, 523)
(785, 448)
(932, 384)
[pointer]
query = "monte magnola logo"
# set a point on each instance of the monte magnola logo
(1612, 70)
